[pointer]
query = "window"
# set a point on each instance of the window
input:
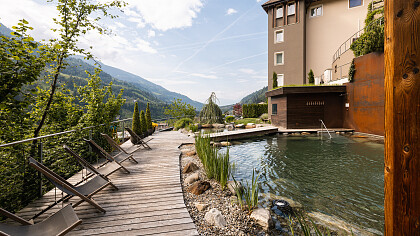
(279, 58)
(316, 11)
(280, 80)
(279, 36)
(355, 3)
(291, 9)
(279, 12)
(274, 109)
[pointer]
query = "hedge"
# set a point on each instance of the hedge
(254, 110)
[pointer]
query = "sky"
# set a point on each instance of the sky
(193, 47)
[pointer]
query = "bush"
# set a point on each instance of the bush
(143, 122)
(183, 123)
(229, 119)
(264, 116)
(275, 85)
(193, 128)
(311, 77)
(148, 118)
(136, 126)
(254, 110)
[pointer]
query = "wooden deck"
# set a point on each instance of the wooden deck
(243, 133)
(149, 200)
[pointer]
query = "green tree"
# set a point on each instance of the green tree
(148, 117)
(211, 112)
(275, 85)
(74, 20)
(311, 78)
(179, 109)
(143, 122)
(136, 126)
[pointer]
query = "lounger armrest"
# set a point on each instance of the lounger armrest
(14, 217)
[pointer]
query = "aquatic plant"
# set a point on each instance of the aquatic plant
(249, 193)
(306, 227)
(216, 165)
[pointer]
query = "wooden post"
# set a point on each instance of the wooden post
(402, 117)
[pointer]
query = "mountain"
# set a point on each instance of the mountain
(4, 30)
(145, 85)
(74, 75)
(255, 97)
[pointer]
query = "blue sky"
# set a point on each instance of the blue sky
(193, 47)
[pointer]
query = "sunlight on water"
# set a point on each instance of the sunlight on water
(341, 177)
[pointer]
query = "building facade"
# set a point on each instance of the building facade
(305, 35)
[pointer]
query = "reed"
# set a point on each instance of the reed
(249, 193)
(216, 164)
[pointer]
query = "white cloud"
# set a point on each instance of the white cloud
(248, 71)
(120, 25)
(151, 33)
(231, 11)
(259, 0)
(139, 21)
(165, 14)
(205, 76)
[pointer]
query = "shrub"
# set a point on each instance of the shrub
(352, 71)
(193, 128)
(143, 122)
(229, 119)
(311, 78)
(148, 118)
(211, 112)
(183, 123)
(136, 126)
(264, 116)
(275, 85)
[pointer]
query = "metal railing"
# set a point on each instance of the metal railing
(346, 45)
(322, 126)
(48, 150)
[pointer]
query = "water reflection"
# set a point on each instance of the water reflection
(339, 177)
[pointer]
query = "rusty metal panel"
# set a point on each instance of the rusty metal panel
(366, 96)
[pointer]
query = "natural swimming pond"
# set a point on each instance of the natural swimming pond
(342, 177)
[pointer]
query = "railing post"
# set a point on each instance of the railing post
(123, 131)
(40, 151)
(90, 137)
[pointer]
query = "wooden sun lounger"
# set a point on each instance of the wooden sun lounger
(84, 191)
(137, 140)
(119, 158)
(116, 146)
(59, 223)
(104, 170)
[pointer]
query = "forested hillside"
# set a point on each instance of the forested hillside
(255, 97)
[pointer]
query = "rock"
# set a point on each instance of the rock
(337, 132)
(285, 134)
(296, 134)
(215, 217)
(192, 178)
(259, 126)
(190, 167)
(262, 217)
(190, 153)
(234, 200)
(218, 126)
(306, 133)
(230, 127)
(236, 143)
(225, 144)
(250, 126)
(231, 186)
(200, 206)
(241, 233)
(199, 187)
(240, 126)
(207, 126)
(217, 144)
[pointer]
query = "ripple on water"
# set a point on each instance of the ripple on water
(342, 177)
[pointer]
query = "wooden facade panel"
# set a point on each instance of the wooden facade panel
(281, 118)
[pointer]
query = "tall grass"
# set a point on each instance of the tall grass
(308, 228)
(216, 164)
(249, 193)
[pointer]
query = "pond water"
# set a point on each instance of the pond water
(342, 177)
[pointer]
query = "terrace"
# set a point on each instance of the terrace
(149, 199)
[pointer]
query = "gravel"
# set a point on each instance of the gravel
(238, 221)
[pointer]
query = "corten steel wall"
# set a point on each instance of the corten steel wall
(366, 96)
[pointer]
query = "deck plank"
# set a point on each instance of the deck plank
(149, 200)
